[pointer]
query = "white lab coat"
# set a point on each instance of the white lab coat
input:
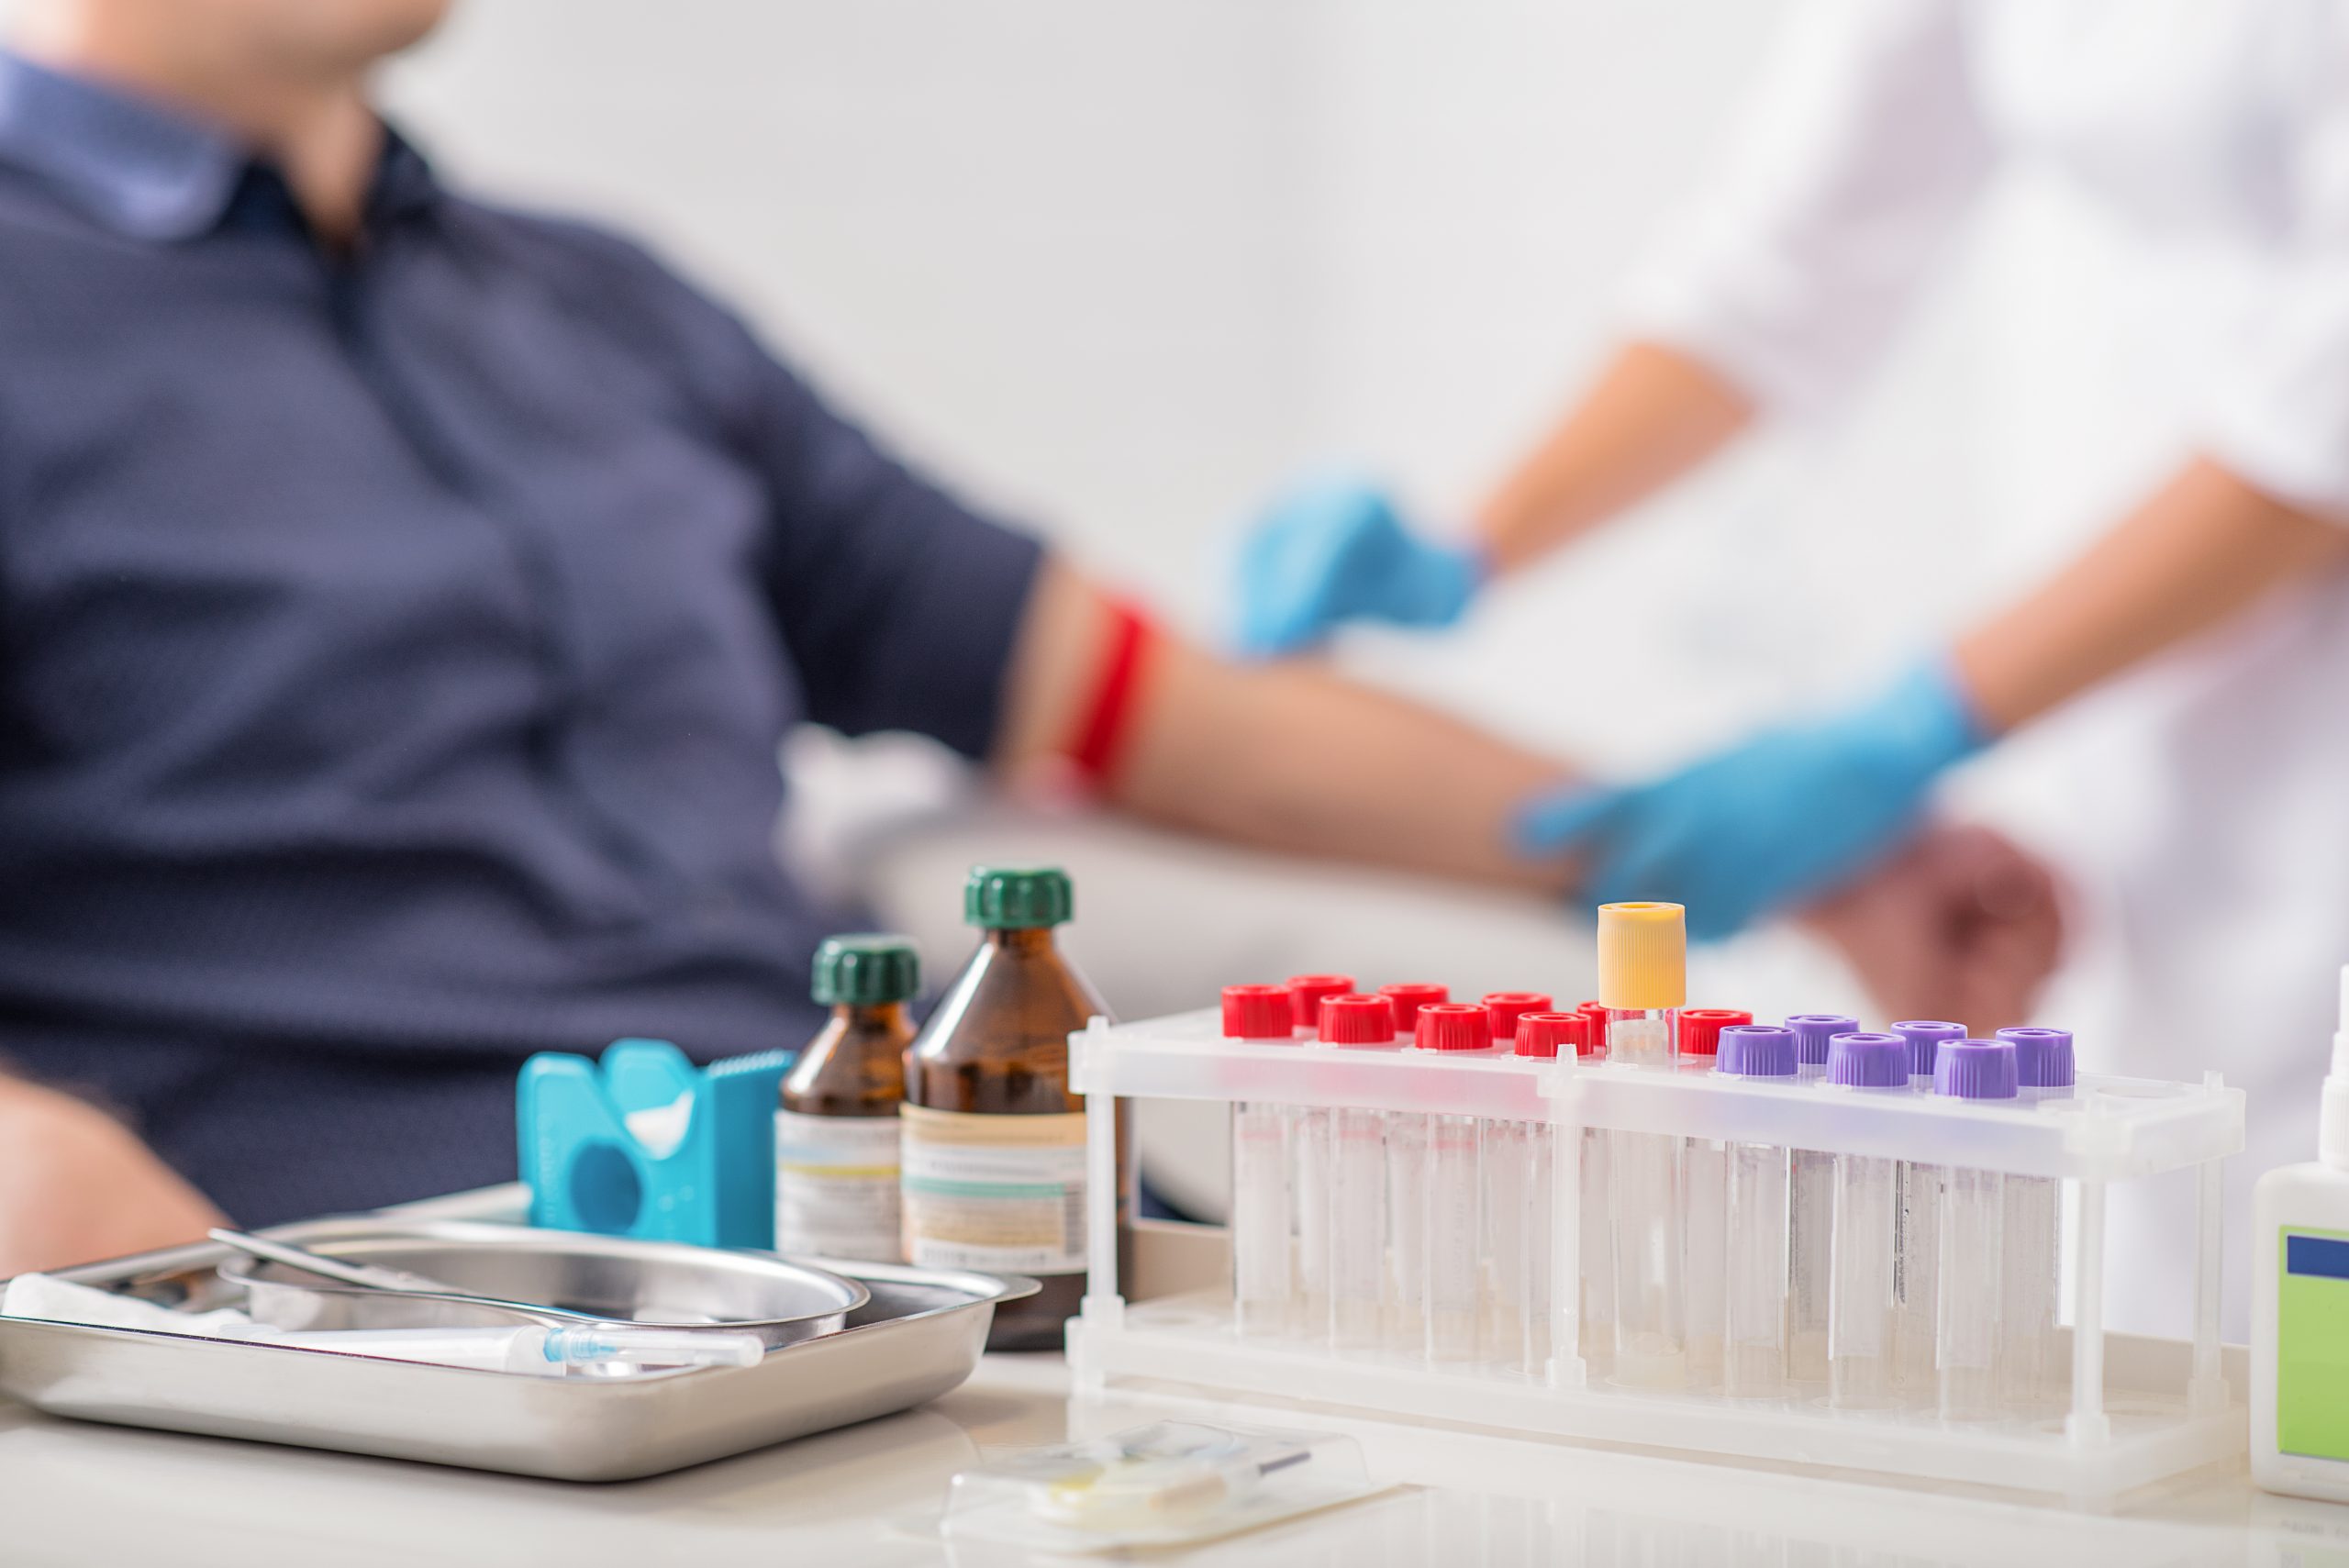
(2195, 154)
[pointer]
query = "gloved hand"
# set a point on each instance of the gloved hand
(1792, 812)
(1333, 551)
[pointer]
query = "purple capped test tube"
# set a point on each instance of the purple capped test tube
(1862, 1368)
(2029, 1343)
(1916, 1264)
(1972, 1215)
(1811, 1206)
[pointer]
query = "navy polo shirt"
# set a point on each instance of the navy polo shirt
(396, 647)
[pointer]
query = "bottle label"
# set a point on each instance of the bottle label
(2312, 1369)
(995, 1193)
(836, 1187)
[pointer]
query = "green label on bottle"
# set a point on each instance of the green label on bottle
(2313, 1344)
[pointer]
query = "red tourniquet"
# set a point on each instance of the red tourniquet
(1098, 743)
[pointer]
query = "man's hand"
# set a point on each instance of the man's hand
(1960, 925)
(76, 1185)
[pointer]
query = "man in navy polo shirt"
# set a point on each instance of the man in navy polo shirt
(403, 600)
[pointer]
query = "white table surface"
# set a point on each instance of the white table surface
(75, 1493)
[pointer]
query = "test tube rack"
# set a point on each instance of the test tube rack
(2149, 1409)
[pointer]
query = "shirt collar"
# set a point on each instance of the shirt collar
(145, 171)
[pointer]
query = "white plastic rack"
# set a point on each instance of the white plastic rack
(2151, 1408)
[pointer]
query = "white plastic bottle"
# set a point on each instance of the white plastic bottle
(2299, 1305)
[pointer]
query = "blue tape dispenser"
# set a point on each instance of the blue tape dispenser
(646, 1144)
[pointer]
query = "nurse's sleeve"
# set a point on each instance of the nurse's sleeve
(1853, 169)
(2279, 418)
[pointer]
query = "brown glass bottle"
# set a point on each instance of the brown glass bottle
(836, 1134)
(994, 1142)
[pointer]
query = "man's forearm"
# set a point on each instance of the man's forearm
(1287, 756)
(1655, 414)
(1293, 757)
(2203, 549)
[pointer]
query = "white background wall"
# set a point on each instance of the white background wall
(1119, 269)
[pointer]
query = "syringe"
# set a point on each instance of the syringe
(532, 1349)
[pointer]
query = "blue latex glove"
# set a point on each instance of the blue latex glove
(1333, 551)
(1790, 813)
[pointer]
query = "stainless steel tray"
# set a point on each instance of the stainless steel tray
(918, 1336)
(662, 1282)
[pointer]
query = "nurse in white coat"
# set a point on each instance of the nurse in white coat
(2184, 670)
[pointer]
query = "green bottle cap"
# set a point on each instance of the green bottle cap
(866, 971)
(1002, 897)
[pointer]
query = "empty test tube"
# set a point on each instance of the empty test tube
(1704, 1169)
(1863, 1363)
(1357, 1180)
(1309, 1153)
(1643, 976)
(1754, 1272)
(1966, 1323)
(1916, 1277)
(1502, 1160)
(2030, 1344)
(1811, 1207)
(1261, 1280)
(1453, 1275)
(1596, 1319)
(1542, 1036)
(1403, 1305)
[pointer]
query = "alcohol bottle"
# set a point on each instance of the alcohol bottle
(993, 1150)
(836, 1134)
